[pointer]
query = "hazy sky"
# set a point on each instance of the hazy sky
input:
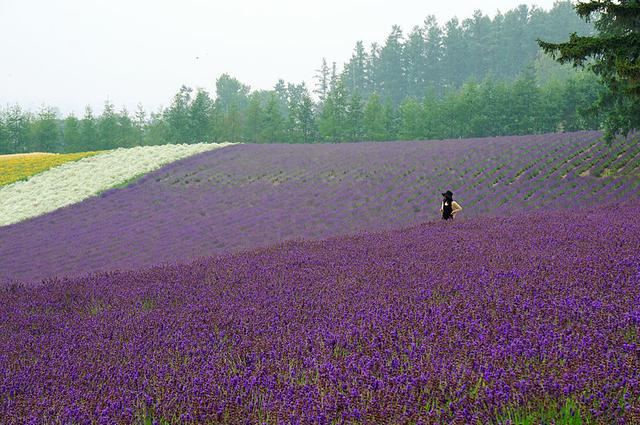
(70, 53)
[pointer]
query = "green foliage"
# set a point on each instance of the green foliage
(373, 119)
(45, 131)
(355, 114)
(71, 134)
(411, 120)
(472, 78)
(613, 54)
(333, 121)
(272, 129)
(88, 129)
(569, 413)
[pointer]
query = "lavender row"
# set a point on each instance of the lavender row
(249, 196)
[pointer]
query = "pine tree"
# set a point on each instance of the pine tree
(140, 123)
(71, 134)
(89, 131)
(390, 120)
(374, 127)
(200, 112)
(253, 120)
(613, 54)
(433, 56)
(414, 54)
(355, 72)
(272, 122)
(307, 119)
(46, 132)
(392, 67)
(178, 116)
(322, 81)
(455, 55)
(126, 130)
(355, 114)
(333, 122)
(108, 127)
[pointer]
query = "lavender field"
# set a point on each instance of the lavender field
(527, 319)
(248, 196)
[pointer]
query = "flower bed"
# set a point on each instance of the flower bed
(73, 182)
(18, 167)
(529, 319)
(254, 195)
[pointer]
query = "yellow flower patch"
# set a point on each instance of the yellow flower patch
(24, 165)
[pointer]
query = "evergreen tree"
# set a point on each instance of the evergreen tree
(355, 72)
(230, 128)
(306, 119)
(89, 131)
(126, 130)
(200, 117)
(108, 132)
(253, 120)
(455, 55)
(374, 70)
(322, 81)
(392, 67)
(333, 80)
(272, 122)
(481, 44)
(333, 122)
(45, 131)
(414, 54)
(140, 124)
(157, 131)
(178, 116)
(433, 53)
(281, 91)
(355, 115)
(390, 120)
(613, 54)
(374, 127)
(72, 135)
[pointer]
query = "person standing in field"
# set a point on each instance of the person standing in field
(449, 207)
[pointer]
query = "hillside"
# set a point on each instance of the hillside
(247, 196)
(42, 183)
(528, 319)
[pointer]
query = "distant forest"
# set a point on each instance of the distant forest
(479, 77)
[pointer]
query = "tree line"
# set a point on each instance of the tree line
(479, 77)
(444, 57)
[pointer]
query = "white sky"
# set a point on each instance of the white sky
(70, 53)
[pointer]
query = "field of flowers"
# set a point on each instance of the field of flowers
(248, 196)
(525, 320)
(73, 182)
(17, 167)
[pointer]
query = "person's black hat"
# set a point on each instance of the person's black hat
(448, 194)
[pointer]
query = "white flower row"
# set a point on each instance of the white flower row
(75, 181)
